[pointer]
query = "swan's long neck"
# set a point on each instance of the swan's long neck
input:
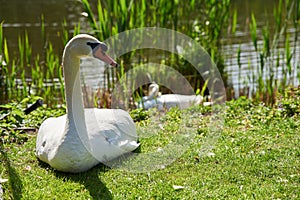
(72, 86)
(75, 125)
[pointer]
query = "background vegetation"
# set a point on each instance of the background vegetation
(206, 21)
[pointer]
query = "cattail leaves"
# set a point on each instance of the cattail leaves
(288, 55)
(253, 31)
(234, 21)
(90, 14)
(1, 38)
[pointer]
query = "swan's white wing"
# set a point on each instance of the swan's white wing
(62, 152)
(49, 137)
(111, 133)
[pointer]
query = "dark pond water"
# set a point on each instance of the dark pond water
(21, 15)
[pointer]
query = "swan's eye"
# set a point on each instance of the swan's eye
(93, 45)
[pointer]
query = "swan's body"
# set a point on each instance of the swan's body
(166, 101)
(82, 138)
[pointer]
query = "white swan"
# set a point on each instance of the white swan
(155, 99)
(82, 138)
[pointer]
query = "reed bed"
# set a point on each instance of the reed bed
(274, 68)
(25, 74)
(268, 64)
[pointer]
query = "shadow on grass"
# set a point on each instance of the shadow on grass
(91, 179)
(14, 178)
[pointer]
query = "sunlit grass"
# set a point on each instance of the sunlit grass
(256, 157)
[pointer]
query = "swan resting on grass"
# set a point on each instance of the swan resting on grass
(80, 139)
(166, 101)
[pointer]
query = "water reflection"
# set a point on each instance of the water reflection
(245, 71)
(26, 15)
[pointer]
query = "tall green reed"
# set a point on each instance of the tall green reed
(25, 74)
(2, 62)
(110, 18)
(5, 60)
(25, 53)
(1, 38)
(267, 44)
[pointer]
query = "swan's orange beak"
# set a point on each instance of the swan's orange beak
(99, 53)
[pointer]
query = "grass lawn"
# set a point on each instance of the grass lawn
(257, 156)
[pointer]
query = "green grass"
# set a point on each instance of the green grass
(257, 156)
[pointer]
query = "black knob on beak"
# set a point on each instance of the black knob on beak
(94, 45)
(103, 47)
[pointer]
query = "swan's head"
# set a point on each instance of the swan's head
(84, 45)
(153, 90)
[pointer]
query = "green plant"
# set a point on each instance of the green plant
(12, 123)
(139, 115)
(17, 83)
(15, 124)
(268, 55)
(111, 18)
(289, 102)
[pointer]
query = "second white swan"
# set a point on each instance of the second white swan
(156, 100)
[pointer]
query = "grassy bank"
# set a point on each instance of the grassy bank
(256, 157)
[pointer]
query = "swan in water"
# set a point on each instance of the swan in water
(80, 139)
(156, 100)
